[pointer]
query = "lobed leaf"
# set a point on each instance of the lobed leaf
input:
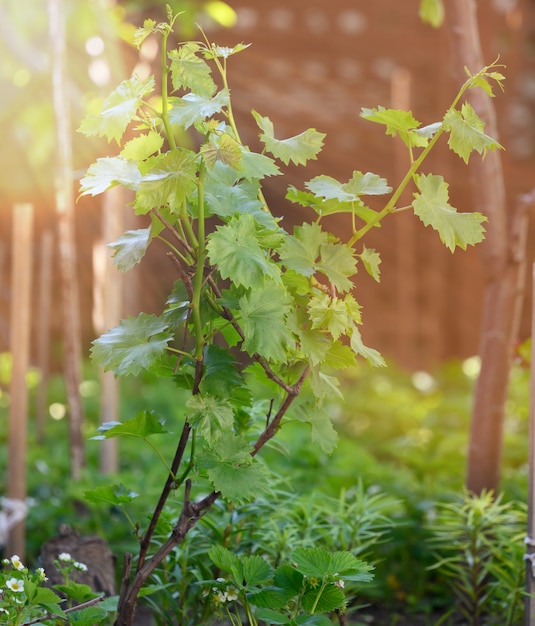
(371, 355)
(192, 108)
(210, 416)
(116, 495)
(371, 260)
(131, 247)
(190, 71)
(108, 172)
(135, 345)
(432, 207)
(298, 149)
(397, 122)
(142, 147)
(144, 424)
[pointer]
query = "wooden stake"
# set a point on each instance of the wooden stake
(20, 323)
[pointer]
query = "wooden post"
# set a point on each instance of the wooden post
(43, 335)
(529, 603)
(20, 323)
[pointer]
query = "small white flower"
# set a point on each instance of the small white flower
(220, 580)
(232, 594)
(220, 597)
(15, 585)
(340, 583)
(16, 562)
(81, 567)
(41, 573)
(2, 610)
(65, 557)
(5, 561)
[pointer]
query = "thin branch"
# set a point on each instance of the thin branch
(72, 609)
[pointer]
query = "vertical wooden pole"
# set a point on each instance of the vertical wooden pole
(529, 613)
(20, 323)
(43, 336)
(66, 237)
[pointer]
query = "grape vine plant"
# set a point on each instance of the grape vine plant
(259, 318)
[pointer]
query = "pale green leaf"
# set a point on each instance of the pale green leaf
(432, 12)
(466, 132)
(135, 345)
(323, 434)
(314, 344)
(192, 108)
(371, 355)
(329, 188)
(108, 172)
(149, 27)
(235, 250)
(142, 147)
(263, 313)
(256, 166)
(167, 180)
(225, 52)
(397, 122)
(329, 314)
(359, 184)
(301, 251)
(210, 416)
(190, 71)
(298, 149)
(118, 109)
(338, 263)
(432, 207)
(371, 260)
(131, 247)
(223, 149)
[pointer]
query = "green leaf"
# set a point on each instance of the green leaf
(210, 416)
(314, 344)
(323, 599)
(142, 147)
(320, 206)
(288, 578)
(77, 591)
(116, 495)
(371, 355)
(221, 375)
(118, 109)
(312, 562)
(44, 597)
(192, 108)
(256, 166)
(225, 52)
(232, 470)
(108, 172)
(223, 148)
(333, 314)
(167, 180)
(131, 247)
(323, 433)
(298, 149)
(256, 570)
(371, 260)
(270, 616)
(264, 312)
(359, 185)
(89, 616)
(190, 71)
(135, 345)
(235, 250)
(338, 263)
(144, 424)
(227, 561)
(432, 12)
(397, 122)
(432, 207)
(301, 251)
(313, 620)
(466, 133)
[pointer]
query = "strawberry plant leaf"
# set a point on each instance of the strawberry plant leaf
(210, 416)
(432, 207)
(269, 615)
(323, 599)
(142, 147)
(107, 172)
(256, 570)
(466, 133)
(135, 345)
(234, 248)
(311, 562)
(397, 122)
(192, 108)
(227, 561)
(264, 312)
(371, 260)
(232, 470)
(298, 149)
(190, 71)
(118, 109)
(371, 355)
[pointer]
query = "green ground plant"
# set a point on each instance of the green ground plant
(260, 318)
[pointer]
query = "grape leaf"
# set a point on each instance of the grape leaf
(168, 179)
(235, 250)
(118, 109)
(222, 148)
(397, 122)
(466, 132)
(144, 424)
(225, 52)
(190, 71)
(264, 312)
(323, 433)
(107, 172)
(256, 166)
(338, 263)
(140, 34)
(221, 375)
(192, 108)
(371, 355)
(111, 494)
(232, 470)
(298, 149)
(130, 247)
(300, 252)
(314, 344)
(432, 207)
(358, 185)
(432, 12)
(210, 416)
(135, 345)
(371, 260)
(141, 148)
(320, 206)
(329, 313)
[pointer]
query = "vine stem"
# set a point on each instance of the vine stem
(199, 273)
